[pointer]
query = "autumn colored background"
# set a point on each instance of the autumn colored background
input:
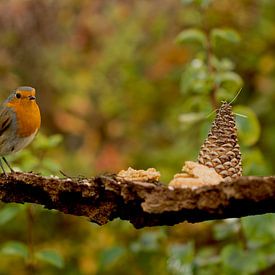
(131, 83)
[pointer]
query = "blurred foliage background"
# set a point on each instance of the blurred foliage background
(131, 83)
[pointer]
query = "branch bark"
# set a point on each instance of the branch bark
(104, 198)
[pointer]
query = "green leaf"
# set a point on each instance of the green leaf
(229, 84)
(226, 64)
(111, 255)
(228, 35)
(196, 79)
(187, 1)
(51, 257)
(202, 3)
(259, 230)
(43, 142)
(192, 35)
(221, 65)
(184, 252)
(231, 77)
(181, 258)
(190, 118)
(8, 212)
(226, 229)
(148, 241)
(15, 248)
(55, 140)
(40, 142)
(50, 165)
(207, 257)
(254, 162)
(248, 128)
(237, 261)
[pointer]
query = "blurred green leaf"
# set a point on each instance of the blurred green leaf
(181, 258)
(259, 230)
(222, 65)
(8, 212)
(148, 241)
(248, 128)
(15, 248)
(237, 261)
(51, 257)
(43, 142)
(196, 78)
(206, 252)
(40, 142)
(202, 3)
(50, 166)
(206, 257)
(184, 252)
(187, 1)
(229, 77)
(54, 140)
(192, 35)
(190, 118)
(225, 34)
(254, 162)
(111, 255)
(226, 229)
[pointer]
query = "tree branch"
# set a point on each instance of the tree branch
(105, 198)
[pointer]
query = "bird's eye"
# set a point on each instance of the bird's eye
(18, 95)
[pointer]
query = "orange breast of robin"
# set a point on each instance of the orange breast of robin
(27, 117)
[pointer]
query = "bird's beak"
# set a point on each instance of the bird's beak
(31, 97)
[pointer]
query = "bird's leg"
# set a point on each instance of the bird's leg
(7, 164)
(1, 165)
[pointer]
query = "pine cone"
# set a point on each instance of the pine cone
(221, 150)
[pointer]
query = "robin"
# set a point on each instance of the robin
(19, 122)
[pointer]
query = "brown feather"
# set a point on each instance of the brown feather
(5, 121)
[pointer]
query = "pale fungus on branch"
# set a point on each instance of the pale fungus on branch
(195, 175)
(149, 175)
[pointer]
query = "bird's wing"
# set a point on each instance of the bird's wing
(5, 119)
